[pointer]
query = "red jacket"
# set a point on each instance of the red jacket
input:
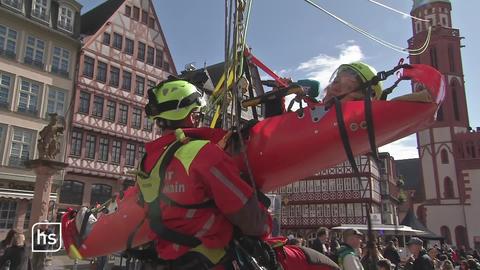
(211, 175)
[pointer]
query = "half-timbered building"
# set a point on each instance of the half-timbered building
(124, 52)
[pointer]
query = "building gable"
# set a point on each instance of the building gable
(135, 20)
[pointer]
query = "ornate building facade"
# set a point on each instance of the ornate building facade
(334, 196)
(39, 41)
(449, 150)
(123, 54)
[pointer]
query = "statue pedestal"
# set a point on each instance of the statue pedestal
(44, 170)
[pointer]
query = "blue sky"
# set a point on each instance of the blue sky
(298, 41)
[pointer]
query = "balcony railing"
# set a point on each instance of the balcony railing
(59, 71)
(35, 63)
(8, 54)
(15, 161)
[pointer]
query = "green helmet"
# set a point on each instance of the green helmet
(366, 73)
(173, 100)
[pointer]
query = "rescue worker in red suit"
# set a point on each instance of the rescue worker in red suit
(202, 194)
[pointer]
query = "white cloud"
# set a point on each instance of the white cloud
(403, 148)
(322, 66)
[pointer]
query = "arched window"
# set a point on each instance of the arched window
(71, 192)
(422, 215)
(100, 194)
(448, 188)
(456, 111)
(444, 156)
(461, 237)
(445, 232)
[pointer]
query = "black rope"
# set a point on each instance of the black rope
(383, 75)
(348, 150)
(85, 222)
(155, 211)
(344, 136)
(389, 90)
(246, 70)
(370, 126)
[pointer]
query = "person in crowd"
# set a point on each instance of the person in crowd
(447, 265)
(462, 252)
(17, 254)
(391, 253)
(371, 257)
(334, 247)
(463, 265)
(385, 264)
(7, 242)
(476, 255)
(421, 259)
(473, 264)
(39, 258)
(347, 257)
(320, 243)
(453, 256)
(433, 253)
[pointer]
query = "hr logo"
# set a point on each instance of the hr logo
(46, 237)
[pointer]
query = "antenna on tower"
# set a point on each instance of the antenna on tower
(190, 67)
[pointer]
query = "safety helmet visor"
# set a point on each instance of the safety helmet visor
(174, 100)
(344, 80)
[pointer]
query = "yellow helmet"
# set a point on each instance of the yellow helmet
(173, 100)
(366, 73)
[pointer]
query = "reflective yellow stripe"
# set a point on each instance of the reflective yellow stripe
(215, 117)
(187, 153)
(221, 82)
(214, 255)
(74, 253)
(150, 183)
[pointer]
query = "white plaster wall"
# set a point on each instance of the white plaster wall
(473, 210)
(428, 176)
(444, 215)
(442, 134)
(424, 137)
(458, 130)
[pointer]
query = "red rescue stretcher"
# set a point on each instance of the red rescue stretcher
(281, 150)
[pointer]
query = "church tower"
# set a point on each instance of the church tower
(440, 147)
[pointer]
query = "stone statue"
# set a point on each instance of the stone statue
(49, 142)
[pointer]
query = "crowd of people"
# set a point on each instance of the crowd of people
(15, 251)
(351, 253)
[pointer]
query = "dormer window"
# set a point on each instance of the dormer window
(65, 19)
(40, 9)
(16, 4)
